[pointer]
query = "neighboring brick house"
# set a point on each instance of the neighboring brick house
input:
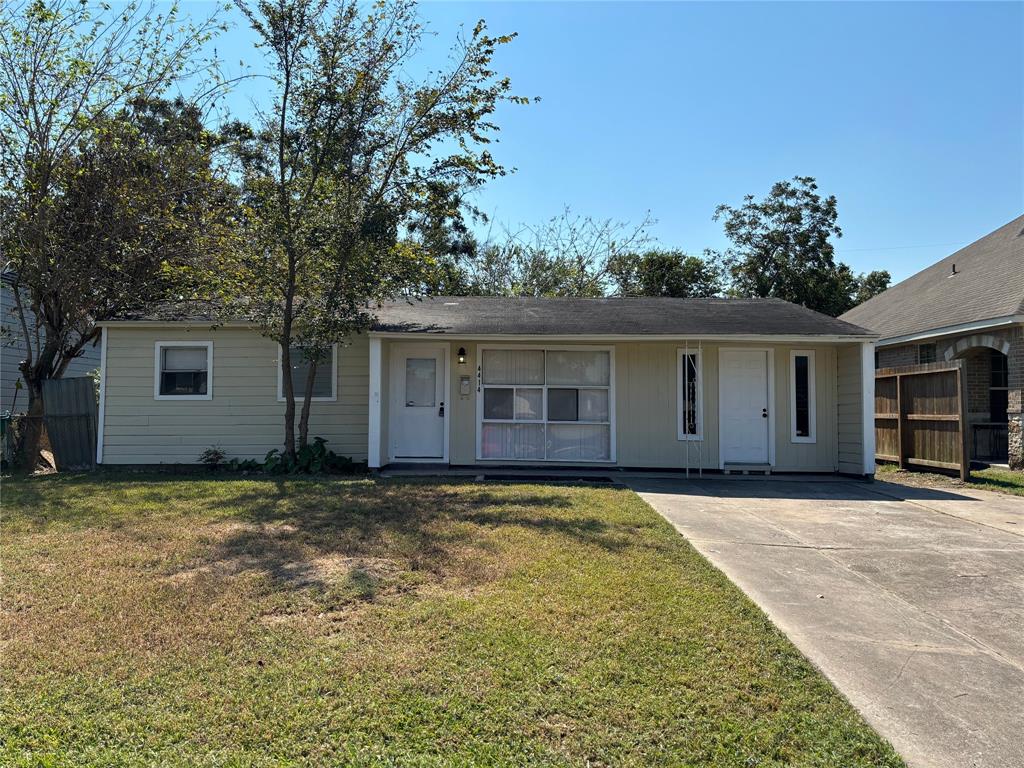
(968, 306)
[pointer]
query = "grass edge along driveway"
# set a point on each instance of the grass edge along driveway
(257, 622)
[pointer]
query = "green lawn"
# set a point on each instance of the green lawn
(258, 622)
(991, 479)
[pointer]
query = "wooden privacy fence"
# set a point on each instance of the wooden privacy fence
(70, 406)
(919, 417)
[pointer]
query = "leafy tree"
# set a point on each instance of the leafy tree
(664, 273)
(781, 247)
(449, 246)
(568, 255)
(871, 284)
(100, 183)
(353, 154)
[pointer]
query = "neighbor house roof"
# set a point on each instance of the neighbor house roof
(988, 285)
(522, 316)
(528, 316)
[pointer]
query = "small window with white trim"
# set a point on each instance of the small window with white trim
(802, 398)
(324, 373)
(183, 370)
(690, 395)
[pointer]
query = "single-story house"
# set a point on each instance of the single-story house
(969, 306)
(720, 384)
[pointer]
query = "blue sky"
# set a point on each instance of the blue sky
(912, 114)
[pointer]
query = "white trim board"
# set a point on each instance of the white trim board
(101, 417)
(867, 371)
(374, 427)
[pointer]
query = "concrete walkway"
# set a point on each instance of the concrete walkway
(911, 600)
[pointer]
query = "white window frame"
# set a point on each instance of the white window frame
(158, 369)
(299, 399)
(812, 411)
(681, 352)
(480, 386)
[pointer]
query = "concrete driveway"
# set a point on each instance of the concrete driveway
(911, 600)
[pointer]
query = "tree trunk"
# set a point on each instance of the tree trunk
(304, 416)
(32, 430)
(288, 392)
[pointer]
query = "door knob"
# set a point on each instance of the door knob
(764, 413)
(440, 411)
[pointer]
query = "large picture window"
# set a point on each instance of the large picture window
(549, 405)
(324, 380)
(801, 401)
(183, 370)
(690, 400)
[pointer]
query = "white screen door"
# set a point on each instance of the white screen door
(743, 405)
(417, 408)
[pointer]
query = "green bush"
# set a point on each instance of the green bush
(313, 459)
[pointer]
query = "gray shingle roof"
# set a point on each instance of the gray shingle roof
(521, 316)
(608, 316)
(989, 284)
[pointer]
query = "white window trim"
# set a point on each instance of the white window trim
(157, 355)
(812, 411)
(334, 379)
(612, 433)
(680, 434)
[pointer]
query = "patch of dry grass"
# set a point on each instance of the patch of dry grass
(268, 622)
(988, 479)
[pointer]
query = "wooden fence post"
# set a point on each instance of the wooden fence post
(901, 416)
(924, 422)
(965, 452)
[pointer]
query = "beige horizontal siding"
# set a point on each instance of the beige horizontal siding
(647, 407)
(849, 411)
(244, 417)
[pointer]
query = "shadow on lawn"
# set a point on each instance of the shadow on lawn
(376, 535)
(316, 533)
(302, 534)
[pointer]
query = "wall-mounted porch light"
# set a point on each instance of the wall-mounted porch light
(462, 355)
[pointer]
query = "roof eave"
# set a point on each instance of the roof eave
(606, 337)
(950, 330)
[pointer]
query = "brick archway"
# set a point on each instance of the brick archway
(968, 343)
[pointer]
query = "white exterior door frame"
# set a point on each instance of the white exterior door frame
(769, 353)
(397, 353)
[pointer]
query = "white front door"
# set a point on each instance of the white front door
(743, 405)
(416, 421)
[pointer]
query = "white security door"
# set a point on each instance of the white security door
(416, 422)
(743, 405)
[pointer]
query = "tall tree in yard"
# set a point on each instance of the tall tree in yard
(782, 247)
(350, 157)
(567, 255)
(104, 185)
(665, 273)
